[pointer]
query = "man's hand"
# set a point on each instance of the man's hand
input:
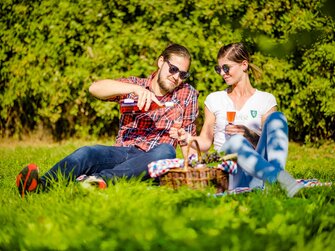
(145, 98)
(108, 89)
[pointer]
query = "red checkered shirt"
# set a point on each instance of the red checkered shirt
(149, 129)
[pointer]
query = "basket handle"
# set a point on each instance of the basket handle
(231, 156)
(188, 152)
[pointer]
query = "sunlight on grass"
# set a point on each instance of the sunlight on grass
(133, 215)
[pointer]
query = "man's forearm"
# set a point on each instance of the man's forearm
(106, 89)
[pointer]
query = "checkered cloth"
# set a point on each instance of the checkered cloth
(306, 182)
(229, 166)
(313, 183)
(159, 167)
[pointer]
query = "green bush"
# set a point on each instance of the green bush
(52, 50)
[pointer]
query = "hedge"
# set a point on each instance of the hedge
(52, 50)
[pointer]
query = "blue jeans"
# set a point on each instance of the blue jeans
(265, 162)
(108, 162)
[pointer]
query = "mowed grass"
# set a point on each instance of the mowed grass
(133, 215)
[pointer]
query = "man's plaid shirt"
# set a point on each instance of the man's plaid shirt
(149, 129)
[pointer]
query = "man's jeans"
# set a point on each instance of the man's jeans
(108, 162)
(264, 163)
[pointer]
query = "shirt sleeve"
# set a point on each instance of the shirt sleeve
(270, 102)
(209, 103)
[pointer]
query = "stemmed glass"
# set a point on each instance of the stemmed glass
(231, 116)
(178, 120)
(177, 123)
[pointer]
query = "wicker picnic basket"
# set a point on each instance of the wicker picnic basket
(196, 177)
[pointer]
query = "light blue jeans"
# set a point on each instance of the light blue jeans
(108, 162)
(265, 162)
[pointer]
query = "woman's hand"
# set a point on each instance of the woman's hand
(249, 134)
(235, 129)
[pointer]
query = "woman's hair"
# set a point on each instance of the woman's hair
(237, 52)
(177, 50)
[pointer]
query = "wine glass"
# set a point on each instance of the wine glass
(177, 123)
(231, 116)
(178, 117)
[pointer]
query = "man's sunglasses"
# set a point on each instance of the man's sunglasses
(224, 67)
(174, 69)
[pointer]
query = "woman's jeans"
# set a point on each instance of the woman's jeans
(266, 161)
(108, 162)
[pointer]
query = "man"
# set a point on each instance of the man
(142, 137)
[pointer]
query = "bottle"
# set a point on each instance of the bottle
(129, 106)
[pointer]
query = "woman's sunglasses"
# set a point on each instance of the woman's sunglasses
(174, 69)
(224, 67)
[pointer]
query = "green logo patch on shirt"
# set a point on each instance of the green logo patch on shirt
(253, 113)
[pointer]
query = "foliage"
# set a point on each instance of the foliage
(51, 51)
(133, 215)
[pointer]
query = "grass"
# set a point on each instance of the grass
(133, 215)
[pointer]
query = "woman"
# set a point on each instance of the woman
(259, 134)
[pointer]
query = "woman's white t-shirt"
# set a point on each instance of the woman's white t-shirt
(250, 114)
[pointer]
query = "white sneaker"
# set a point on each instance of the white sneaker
(90, 181)
(288, 183)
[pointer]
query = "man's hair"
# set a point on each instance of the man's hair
(176, 49)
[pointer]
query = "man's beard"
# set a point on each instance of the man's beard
(164, 86)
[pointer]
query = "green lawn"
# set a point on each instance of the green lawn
(139, 216)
